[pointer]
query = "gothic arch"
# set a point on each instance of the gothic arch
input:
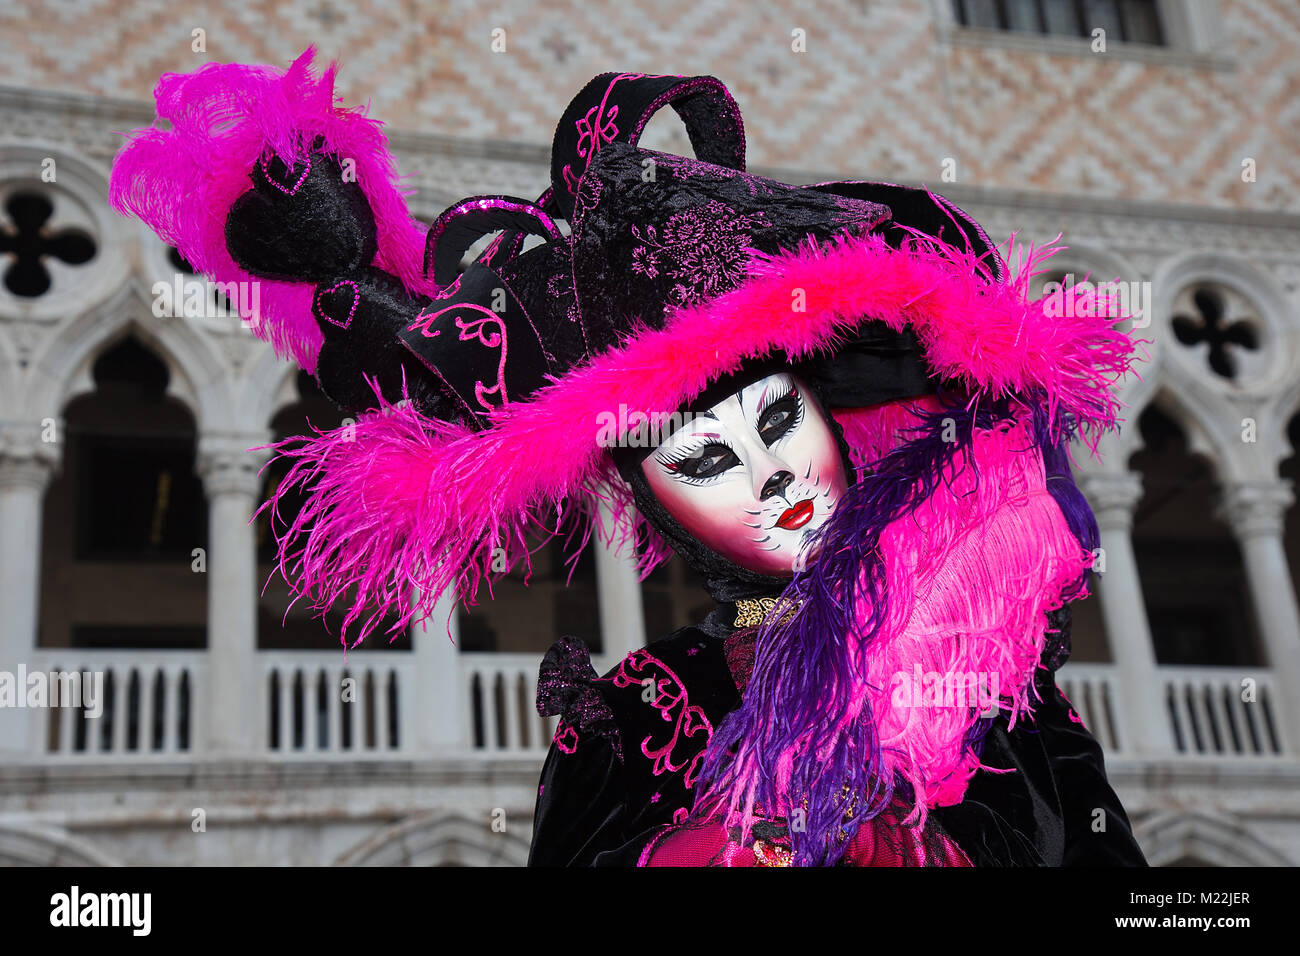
(198, 377)
(1219, 841)
(441, 839)
(1203, 440)
(1117, 449)
(270, 387)
(33, 846)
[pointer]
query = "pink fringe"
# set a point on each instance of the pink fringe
(876, 430)
(182, 181)
(970, 577)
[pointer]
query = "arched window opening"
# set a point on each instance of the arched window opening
(1193, 579)
(125, 528)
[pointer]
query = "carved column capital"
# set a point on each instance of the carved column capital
(227, 465)
(1256, 508)
(26, 459)
(1113, 497)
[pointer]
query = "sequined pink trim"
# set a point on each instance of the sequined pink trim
(565, 739)
(478, 203)
(356, 301)
(287, 190)
(685, 89)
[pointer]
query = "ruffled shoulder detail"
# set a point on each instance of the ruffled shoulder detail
(566, 689)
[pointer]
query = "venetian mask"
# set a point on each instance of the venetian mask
(753, 475)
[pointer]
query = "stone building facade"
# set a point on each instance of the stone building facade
(1167, 160)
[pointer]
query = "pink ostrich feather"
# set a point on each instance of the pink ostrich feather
(875, 430)
(181, 181)
(970, 575)
(401, 507)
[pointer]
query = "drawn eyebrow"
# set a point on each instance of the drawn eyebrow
(767, 388)
(680, 436)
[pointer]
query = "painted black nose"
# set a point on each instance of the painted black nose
(776, 484)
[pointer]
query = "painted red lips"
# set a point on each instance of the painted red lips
(796, 517)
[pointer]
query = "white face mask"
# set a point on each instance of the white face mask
(754, 479)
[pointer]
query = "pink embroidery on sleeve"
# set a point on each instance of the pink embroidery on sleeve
(688, 720)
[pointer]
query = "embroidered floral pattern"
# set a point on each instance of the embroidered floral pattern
(679, 750)
(566, 738)
(643, 262)
(708, 243)
(482, 326)
(686, 166)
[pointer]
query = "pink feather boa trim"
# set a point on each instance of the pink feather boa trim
(400, 508)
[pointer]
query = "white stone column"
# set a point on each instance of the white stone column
(1119, 588)
(236, 695)
(1256, 510)
(440, 700)
(622, 623)
(25, 469)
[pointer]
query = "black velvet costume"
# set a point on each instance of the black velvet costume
(601, 798)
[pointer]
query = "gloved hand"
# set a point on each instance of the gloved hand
(310, 224)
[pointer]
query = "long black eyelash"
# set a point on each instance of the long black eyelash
(684, 453)
(799, 413)
(789, 388)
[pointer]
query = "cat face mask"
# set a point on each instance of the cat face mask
(753, 475)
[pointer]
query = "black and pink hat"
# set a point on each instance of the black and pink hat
(479, 396)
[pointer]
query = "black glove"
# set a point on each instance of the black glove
(308, 224)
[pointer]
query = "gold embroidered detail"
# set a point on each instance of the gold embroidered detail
(769, 854)
(750, 612)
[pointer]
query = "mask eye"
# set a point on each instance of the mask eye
(779, 417)
(704, 462)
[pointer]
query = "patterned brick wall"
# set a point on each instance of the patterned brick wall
(880, 93)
